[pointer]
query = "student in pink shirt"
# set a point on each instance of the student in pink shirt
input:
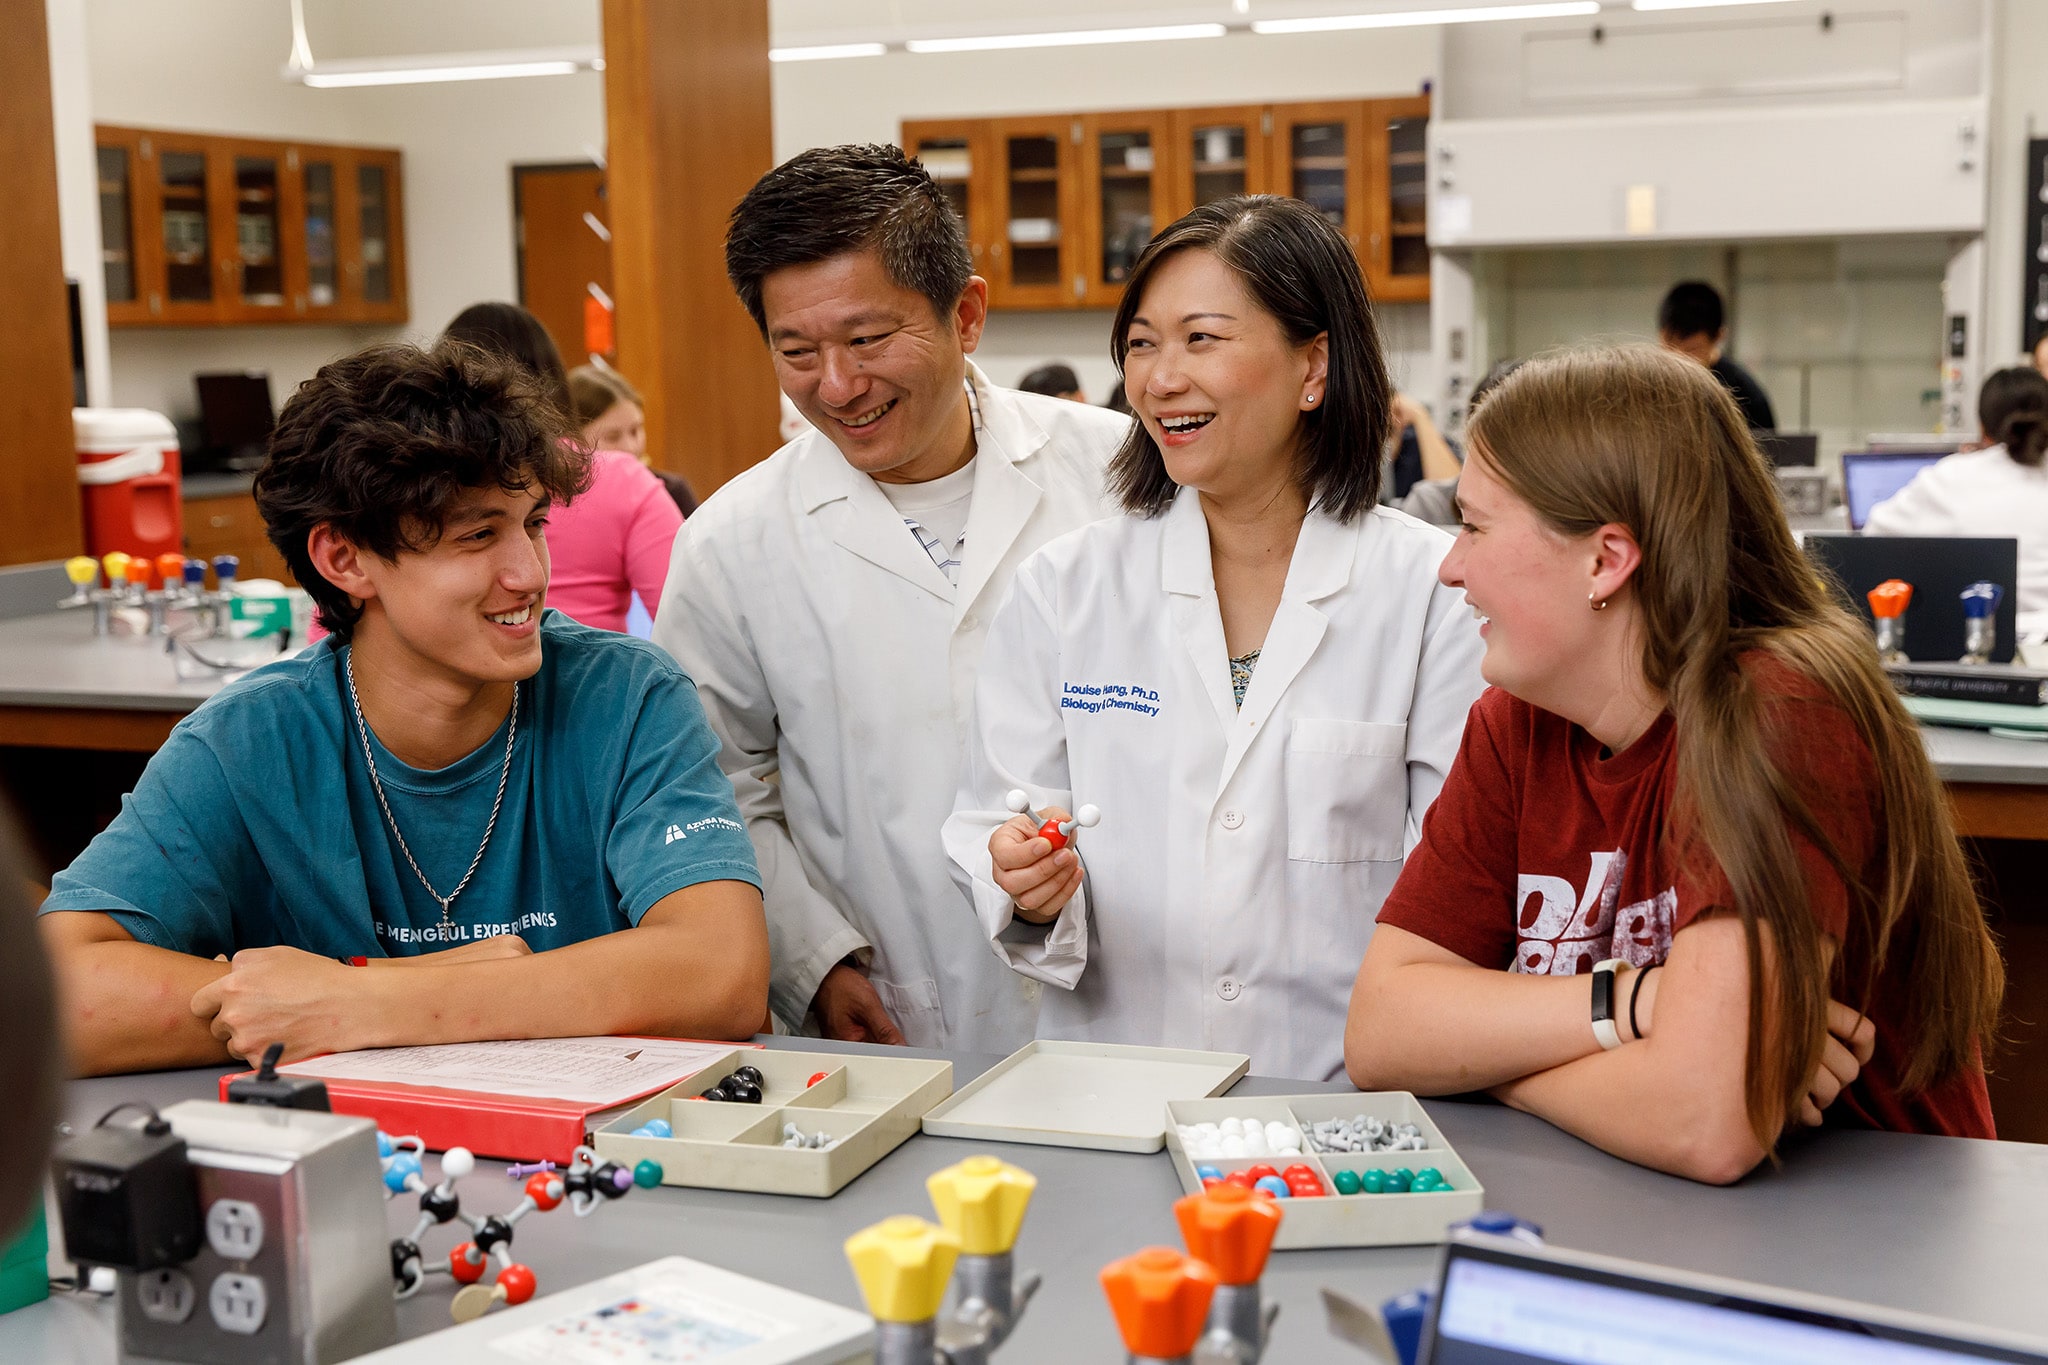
(611, 544)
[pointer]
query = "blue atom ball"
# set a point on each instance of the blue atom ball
(385, 1147)
(659, 1128)
(1275, 1186)
(403, 1167)
(1208, 1173)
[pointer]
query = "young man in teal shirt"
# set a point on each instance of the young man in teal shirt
(432, 826)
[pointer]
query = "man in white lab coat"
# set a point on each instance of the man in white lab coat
(831, 602)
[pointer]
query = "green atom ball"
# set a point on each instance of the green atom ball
(647, 1174)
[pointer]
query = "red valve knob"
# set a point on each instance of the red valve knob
(1231, 1229)
(1890, 598)
(1161, 1301)
(138, 570)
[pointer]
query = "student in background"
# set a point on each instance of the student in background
(30, 1065)
(1693, 321)
(1054, 381)
(457, 817)
(1435, 498)
(1998, 490)
(2038, 357)
(1253, 672)
(611, 544)
(831, 602)
(1689, 764)
(610, 416)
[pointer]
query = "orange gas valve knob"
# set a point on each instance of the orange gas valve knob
(170, 569)
(1231, 1229)
(137, 571)
(1890, 599)
(1161, 1301)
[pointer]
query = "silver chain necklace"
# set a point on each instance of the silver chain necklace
(377, 783)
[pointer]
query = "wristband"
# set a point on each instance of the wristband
(1634, 993)
(1604, 1031)
(353, 961)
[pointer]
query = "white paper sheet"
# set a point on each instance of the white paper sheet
(596, 1072)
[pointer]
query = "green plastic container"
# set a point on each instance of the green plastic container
(24, 1264)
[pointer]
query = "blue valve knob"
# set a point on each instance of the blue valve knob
(224, 567)
(195, 573)
(1981, 600)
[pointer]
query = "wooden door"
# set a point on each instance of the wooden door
(1126, 181)
(1034, 259)
(1317, 155)
(960, 155)
(249, 232)
(1218, 153)
(373, 268)
(1397, 244)
(188, 192)
(563, 227)
(129, 242)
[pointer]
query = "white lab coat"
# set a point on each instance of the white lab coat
(836, 664)
(1242, 855)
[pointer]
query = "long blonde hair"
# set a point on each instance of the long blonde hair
(1648, 440)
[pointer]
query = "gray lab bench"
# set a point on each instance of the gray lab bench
(1944, 1226)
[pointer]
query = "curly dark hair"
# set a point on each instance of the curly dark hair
(380, 445)
(831, 200)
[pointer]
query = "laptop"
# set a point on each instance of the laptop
(236, 417)
(1939, 568)
(1502, 1302)
(1871, 476)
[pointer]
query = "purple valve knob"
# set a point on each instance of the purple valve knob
(1981, 600)
(195, 573)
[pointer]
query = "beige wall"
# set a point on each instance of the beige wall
(2019, 109)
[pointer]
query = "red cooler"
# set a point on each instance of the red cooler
(128, 474)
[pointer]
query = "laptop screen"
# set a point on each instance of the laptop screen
(1501, 1309)
(1869, 477)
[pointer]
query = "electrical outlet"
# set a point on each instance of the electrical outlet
(234, 1229)
(239, 1303)
(165, 1295)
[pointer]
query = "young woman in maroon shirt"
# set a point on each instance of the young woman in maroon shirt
(1689, 762)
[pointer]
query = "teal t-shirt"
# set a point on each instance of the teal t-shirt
(256, 824)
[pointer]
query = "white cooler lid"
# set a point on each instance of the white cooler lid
(115, 429)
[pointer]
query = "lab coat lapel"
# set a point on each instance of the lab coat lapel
(1004, 496)
(863, 521)
(1321, 565)
(1189, 578)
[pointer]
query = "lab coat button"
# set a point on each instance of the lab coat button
(1231, 820)
(970, 621)
(1228, 988)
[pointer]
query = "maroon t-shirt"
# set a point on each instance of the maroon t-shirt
(1540, 855)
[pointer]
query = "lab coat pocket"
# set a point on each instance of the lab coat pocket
(914, 1005)
(1347, 791)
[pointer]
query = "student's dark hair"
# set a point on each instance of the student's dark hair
(1491, 381)
(1693, 308)
(1638, 437)
(831, 200)
(381, 444)
(2012, 406)
(511, 331)
(1052, 380)
(1300, 270)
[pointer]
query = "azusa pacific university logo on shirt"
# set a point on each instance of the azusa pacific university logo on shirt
(676, 832)
(1560, 932)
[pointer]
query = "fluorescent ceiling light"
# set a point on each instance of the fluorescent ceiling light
(429, 68)
(826, 52)
(1411, 18)
(1699, 4)
(1081, 38)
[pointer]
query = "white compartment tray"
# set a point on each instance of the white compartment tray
(1108, 1096)
(1342, 1220)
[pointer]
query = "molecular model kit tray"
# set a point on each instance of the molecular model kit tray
(864, 1107)
(1335, 1219)
(1108, 1096)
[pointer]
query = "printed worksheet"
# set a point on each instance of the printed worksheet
(595, 1072)
(666, 1323)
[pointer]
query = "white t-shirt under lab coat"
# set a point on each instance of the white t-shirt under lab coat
(1980, 493)
(1243, 854)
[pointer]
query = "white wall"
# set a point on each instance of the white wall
(867, 99)
(78, 185)
(2019, 110)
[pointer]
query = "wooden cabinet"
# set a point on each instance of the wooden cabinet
(200, 229)
(229, 524)
(1058, 207)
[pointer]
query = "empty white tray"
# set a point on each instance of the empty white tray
(1109, 1096)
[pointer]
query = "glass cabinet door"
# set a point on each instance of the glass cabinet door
(1398, 261)
(955, 153)
(117, 226)
(1034, 210)
(1127, 196)
(320, 217)
(258, 265)
(374, 219)
(1319, 151)
(1225, 154)
(186, 233)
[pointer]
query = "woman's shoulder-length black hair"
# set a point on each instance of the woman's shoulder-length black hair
(1299, 268)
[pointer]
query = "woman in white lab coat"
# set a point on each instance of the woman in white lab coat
(1254, 673)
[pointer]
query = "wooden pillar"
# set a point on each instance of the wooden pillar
(39, 503)
(688, 117)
